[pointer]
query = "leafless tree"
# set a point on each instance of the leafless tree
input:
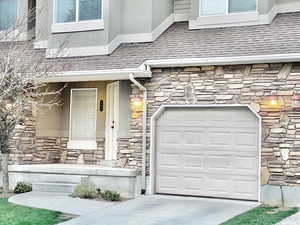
(23, 72)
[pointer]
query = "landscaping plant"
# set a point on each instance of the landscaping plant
(22, 187)
(111, 196)
(86, 189)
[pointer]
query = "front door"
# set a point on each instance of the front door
(112, 121)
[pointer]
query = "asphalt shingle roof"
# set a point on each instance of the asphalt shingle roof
(282, 36)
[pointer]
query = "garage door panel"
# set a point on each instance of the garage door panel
(208, 152)
(218, 138)
(193, 162)
(168, 183)
(193, 184)
(193, 137)
(247, 165)
(245, 139)
(169, 136)
(169, 160)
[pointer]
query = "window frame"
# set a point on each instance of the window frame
(82, 144)
(226, 11)
(77, 26)
(77, 13)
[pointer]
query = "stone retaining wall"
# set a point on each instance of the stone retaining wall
(254, 85)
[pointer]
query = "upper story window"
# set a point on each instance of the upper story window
(221, 7)
(77, 10)
(8, 13)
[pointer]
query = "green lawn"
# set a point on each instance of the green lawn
(263, 215)
(11, 214)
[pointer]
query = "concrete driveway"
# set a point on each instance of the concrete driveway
(166, 210)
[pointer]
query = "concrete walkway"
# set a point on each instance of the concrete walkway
(292, 220)
(166, 210)
(59, 202)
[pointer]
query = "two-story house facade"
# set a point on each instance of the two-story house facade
(183, 97)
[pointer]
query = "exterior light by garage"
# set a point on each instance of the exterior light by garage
(137, 105)
(273, 102)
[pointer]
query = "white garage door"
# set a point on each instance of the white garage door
(208, 152)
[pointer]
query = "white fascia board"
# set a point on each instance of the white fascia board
(97, 75)
(276, 58)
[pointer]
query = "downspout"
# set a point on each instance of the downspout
(144, 133)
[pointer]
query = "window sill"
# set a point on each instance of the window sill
(77, 26)
(82, 145)
(234, 19)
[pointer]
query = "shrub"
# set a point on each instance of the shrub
(22, 187)
(111, 196)
(86, 189)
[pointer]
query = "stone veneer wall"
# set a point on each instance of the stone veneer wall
(55, 150)
(27, 148)
(238, 84)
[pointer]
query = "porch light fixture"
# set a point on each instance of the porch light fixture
(274, 102)
(137, 104)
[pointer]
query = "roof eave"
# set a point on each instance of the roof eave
(275, 58)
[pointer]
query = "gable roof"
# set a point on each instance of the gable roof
(178, 42)
(280, 37)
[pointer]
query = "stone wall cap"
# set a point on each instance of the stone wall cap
(73, 169)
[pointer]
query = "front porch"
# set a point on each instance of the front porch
(125, 181)
(91, 127)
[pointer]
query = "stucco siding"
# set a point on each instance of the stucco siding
(161, 10)
(182, 6)
(137, 16)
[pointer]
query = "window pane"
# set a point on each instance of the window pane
(213, 7)
(65, 11)
(90, 9)
(242, 5)
(8, 13)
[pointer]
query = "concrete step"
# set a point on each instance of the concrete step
(54, 187)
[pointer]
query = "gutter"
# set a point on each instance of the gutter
(256, 59)
(97, 75)
(144, 133)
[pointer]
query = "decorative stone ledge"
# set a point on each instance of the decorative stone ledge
(69, 169)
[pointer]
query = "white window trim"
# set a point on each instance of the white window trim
(77, 26)
(233, 19)
(227, 13)
(86, 144)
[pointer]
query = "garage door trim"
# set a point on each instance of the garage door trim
(153, 124)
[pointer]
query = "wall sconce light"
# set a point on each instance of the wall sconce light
(137, 104)
(274, 102)
(285, 154)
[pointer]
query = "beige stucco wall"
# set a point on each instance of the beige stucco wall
(48, 122)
